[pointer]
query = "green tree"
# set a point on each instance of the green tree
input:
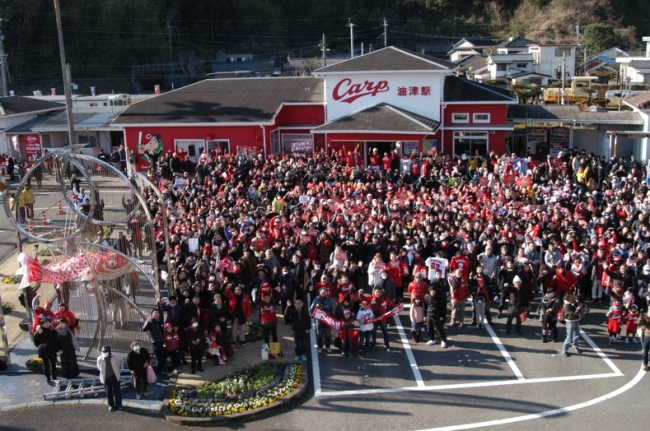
(599, 37)
(527, 93)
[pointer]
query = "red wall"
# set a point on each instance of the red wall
(244, 136)
(307, 115)
(498, 118)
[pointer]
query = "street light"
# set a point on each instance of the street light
(65, 71)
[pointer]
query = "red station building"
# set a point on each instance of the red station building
(389, 99)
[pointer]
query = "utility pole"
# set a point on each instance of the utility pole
(324, 48)
(64, 72)
(169, 31)
(351, 38)
(563, 75)
(385, 33)
(3, 59)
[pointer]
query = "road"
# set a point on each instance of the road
(600, 389)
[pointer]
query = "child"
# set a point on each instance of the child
(172, 346)
(481, 298)
(417, 318)
(631, 323)
(347, 332)
(215, 351)
(364, 314)
(615, 315)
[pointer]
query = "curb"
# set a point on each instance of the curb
(219, 420)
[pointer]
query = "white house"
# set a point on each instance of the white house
(548, 59)
(636, 69)
(471, 46)
(503, 66)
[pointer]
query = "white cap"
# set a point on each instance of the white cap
(516, 279)
(646, 269)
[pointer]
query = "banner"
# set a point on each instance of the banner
(32, 147)
(386, 315)
(327, 319)
(332, 322)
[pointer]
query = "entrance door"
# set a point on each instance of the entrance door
(192, 147)
(221, 147)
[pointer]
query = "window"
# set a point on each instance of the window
(481, 118)
(470, 142)
(522, 65)
(460, 118)
(563, 51)
(46, 141)
(193, 148)
(302, 144)
(502, 67)
(89, 141)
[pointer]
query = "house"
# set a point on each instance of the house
(16, 110)
(549, 59)
(390, 100)
(471, 46)
(602, 64)
(636, 69)
(503, 67)
(473, 67)
(514, 45)
(92, 127)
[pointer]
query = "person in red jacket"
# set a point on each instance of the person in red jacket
(375, 159)
(461, 262)
(394, 269)
(564, 282)
(239, 307)
(269, 319)
(417, 288)
(459, 289)
(379, 304)
(347, 332)
(171, 347)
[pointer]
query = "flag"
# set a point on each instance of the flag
(228, 236)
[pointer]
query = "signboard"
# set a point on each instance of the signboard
(536, 140)
(32, 147)
(193, 244)
(558, 140)
(417, 93)
(409, 148)
(302, 147)
(429, 146)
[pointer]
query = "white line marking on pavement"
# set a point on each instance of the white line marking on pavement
(504, 352)
(438, 388)
(547, 413)
(315, 365)
(409, 352)
(600, 353)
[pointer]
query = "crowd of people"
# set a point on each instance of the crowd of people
(254, 235)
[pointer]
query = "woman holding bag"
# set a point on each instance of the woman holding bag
(138, 360)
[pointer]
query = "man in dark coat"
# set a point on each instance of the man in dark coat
(138, 360)
(300, 322)
(45, 339)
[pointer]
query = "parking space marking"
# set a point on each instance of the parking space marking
(504, 352)
(409, 353)
(548, 413)
(600, 353)
(438, 388)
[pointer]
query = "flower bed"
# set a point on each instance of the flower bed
(244, 390)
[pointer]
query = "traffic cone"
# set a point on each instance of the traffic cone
(30, 228)
(59, 210)
(43, 220)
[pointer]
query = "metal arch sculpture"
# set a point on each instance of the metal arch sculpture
(65, 230)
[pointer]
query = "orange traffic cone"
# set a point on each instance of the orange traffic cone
(59, 210)
(30, 228)
(43, 220)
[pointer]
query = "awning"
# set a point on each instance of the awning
(381, 118)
